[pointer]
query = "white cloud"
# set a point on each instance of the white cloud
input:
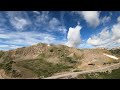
(49, 24)
(6, 47)
(116, 31)
(19, 23)
(100, 39)
(36, 12)
(91, 17)
(18, 19)
(107, 38)
(74, 36)
(2, 30)
(25, 38)
(105, 19)
(53, 23)
(118, 19)
(42, 19)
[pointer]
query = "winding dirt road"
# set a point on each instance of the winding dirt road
(75, 74)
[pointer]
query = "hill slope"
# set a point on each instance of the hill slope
(41, 60)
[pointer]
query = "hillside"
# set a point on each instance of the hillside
(41, 60)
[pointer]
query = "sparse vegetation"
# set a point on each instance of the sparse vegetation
(70, 59)
(77, 70)
(7, 66)
(43, 68)
(43, 61)
(115, 74)
(115, 52)
(1, 53)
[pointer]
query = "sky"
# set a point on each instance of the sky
(80, 29)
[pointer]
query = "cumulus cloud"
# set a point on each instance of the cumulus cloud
(91, 17)
(107, 38)
(73, 36)
(100, 39)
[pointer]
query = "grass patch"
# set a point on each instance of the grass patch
(7, 66)
(115, 52)
(1, 53)
(115, 74)
(70, 59)
(42, 67)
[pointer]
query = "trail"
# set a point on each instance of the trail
(75, 74)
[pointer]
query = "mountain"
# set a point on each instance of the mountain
(42, 60)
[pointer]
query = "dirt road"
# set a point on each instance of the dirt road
(75, 74)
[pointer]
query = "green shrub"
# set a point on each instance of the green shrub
(43, 68)
(115, 74)
(115, 52)
(51, 50)
(7, 66)
(1, 53)
(70, 59)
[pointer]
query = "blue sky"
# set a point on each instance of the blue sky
(25, 28)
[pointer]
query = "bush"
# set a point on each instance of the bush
(116, 52)
(51, 50)
(70, 59)
(7, 66)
